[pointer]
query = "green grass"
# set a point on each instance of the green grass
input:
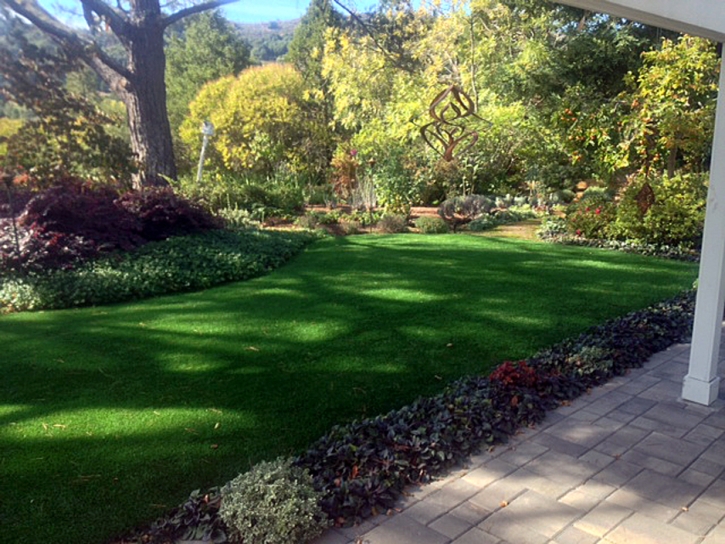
(112, 415)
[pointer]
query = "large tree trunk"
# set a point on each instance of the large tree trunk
(146, 104)
(140, 28)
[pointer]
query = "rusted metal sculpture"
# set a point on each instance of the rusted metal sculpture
(446, 132)
(645, 198)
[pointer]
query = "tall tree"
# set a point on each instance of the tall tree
(207, 48)
(139, 25)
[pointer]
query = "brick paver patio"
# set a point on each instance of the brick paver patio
(628, 463)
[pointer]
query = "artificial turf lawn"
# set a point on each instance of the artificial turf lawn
(110, 416)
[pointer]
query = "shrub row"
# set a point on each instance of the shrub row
(554, 231)
(173, 265)
(360, 469)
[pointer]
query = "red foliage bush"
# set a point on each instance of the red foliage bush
(162, 213)
(73, 221)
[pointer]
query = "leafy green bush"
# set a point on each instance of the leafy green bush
(393, 223)
(274, 503)
(483, 223)
(676, 216)
(173, 265)
(591, 216)
(431, 225)
(235, 218)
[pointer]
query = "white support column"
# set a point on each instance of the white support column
(702, 383)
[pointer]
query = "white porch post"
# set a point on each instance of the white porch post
(702, 383)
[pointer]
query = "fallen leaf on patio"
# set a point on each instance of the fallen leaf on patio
(685, 509)
(504, 504)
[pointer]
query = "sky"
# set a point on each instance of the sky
(242, 11)
(262, 11)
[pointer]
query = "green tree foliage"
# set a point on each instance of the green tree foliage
(263, 122)
(69, 134)
(673, 101)
(206, 47)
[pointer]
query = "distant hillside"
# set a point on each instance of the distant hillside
(269, 41)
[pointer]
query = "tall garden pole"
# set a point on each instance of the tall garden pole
(207, 129)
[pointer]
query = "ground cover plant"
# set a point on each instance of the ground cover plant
(112, 415)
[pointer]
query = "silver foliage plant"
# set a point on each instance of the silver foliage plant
(274, 503)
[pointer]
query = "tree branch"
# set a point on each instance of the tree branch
(174, 17)
(117, 23)
(355, 17)
(69, 39)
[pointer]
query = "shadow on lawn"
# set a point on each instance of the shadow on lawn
(121, 407)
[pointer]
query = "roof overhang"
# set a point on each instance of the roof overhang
(705, 18)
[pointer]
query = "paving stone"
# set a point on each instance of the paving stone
(426, 511)
(674, 415)
(351, 533)
(524, 452)
(716, 420)
(477, 536)
(647, 424)
(489, 473)
(562, 468)
(602, 519)
(627, 437)
(663, 489)
(537, 512)
(403, 529)
(716, 536)
(704, 435)
(572, 535)
(502, 491)
(597, 459)
(636, 406)
(712, 467)
(708, 511)
(676, 451)
(579, 432)
(580, 500)
(454, 493)
(451, 525)
(621, 417)
(512, 531)
(550, 487)
(693, 524)
(332, 537)
(663, 391)
(639, 384)
(715, 452)
(585, 416)
(643, 530)
(618, 473)
(651, 509)
(558, 445)
(596, 489)
(610, 401)
(471, 513)
(648, 461)
(715, 494)
(695, 477)
(609, 423)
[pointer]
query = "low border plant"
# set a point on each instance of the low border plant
(178, 264)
